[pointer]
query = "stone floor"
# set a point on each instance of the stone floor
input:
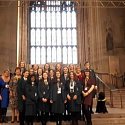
(95, 115)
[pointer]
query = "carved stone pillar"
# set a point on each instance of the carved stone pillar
(23, 32)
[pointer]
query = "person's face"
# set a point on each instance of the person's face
(87, 66)
(65, 70)
(14, 80)
(78, 70)
(26, 74)
(33, 78)
(45, 75)
(87, 74)
(58, 74)
(6, 73)
(46, 66)
(22, 64)
(18, 72)
(40, 71)
(35, 67)
(58, 66)
(71, 67)
(71, 75)
(51, 73)
(31, 71)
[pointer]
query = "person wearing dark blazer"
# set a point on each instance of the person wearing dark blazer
(65, 78)
(31, 94)
(21, 96)
(44, 95)
(58, 98)
(74, 89)
(51, 81)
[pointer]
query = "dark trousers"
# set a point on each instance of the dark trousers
(83, 112)
(58, 117)
(22, 115)
(29, 120)
(74, 118)
(87, 114)
(44, 117)
(3, 112)
(0, 115)
(67, 114)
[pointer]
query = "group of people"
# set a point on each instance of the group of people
(60, 93)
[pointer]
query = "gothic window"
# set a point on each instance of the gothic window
(53, 33)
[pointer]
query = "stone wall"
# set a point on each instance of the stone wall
(113, 39)
(8, 28)
(99, 24)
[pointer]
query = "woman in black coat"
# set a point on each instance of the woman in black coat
(58, 98)
(21, 99)
(44, 103)
(31, 94)
(74, 90)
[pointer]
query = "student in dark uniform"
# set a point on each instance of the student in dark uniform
(51, 75)
(58, 67)
(46, 68)
(35, 69)
(88, 86)
(80, 77)
(74, 90)
(51, 81)
(65, 78)
(65, 74)
(39, 75)
(31, 94)
(44, 94)
(31, 71)
(21, 96)
(58, 98)
(39, 78)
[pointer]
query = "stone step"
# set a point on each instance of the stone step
(95, 121)
(109, 121)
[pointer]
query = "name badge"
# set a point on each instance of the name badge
(71, 87)
(35, 94)
(6, 86)
(59, 90)
(86, 88)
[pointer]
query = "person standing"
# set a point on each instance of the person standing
(4, 94)
(31, 94)
(58, 98)
(88, 86)
(74, 90)
(65, 78)
(21, 96)
(13, 94)
(22, 66)
(44, 94)
(93, 76)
